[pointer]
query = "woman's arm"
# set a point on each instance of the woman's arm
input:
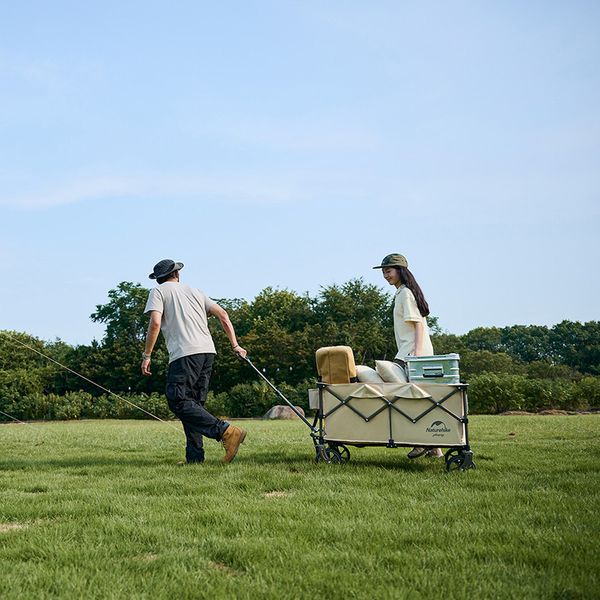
(419, 335)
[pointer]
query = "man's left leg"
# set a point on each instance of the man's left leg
(199, 380)
(232, 436)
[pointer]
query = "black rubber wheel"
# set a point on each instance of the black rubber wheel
(460, 462)
(332, 456)
(451, 454)
(344, 452)
(455, 463)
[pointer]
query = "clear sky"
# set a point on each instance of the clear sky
(295, 143)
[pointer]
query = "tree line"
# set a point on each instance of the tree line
(281, 330)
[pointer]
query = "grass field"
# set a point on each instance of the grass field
(99, 509)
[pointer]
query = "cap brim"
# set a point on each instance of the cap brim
(386, 266)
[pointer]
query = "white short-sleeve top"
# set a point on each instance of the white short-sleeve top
(184, 318)
(406, 314)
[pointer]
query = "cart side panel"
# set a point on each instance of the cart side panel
(345, 424)
(436, 428)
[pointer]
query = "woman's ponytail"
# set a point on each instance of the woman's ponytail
(407, 278)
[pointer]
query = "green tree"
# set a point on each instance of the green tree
(273, 328)
(358, 315)
(447, 343)
(577, 345)
(115, 364)
(545, 369)
(475, 362)
(484, 338)
(122, 315)
(526, 342)
(14, 354)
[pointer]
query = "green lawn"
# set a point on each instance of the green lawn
(99, 509)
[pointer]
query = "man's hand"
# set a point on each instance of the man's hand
(146, 367)
(240, 351)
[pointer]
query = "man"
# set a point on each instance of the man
(181, 312)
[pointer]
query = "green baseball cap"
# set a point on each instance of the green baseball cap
(393, 260)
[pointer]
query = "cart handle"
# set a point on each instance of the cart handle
(298, 413)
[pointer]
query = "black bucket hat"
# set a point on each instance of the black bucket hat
(164, 268)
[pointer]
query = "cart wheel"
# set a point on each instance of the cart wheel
(332, 456)
(455, 463)
(451, 454)
(344, 452)
(460, 462)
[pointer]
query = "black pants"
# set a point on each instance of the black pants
(187, 388)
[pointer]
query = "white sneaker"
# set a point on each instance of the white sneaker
(416, 452)
(435, 453)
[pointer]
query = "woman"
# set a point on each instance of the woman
(410, 325)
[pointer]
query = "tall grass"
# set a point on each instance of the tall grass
(99, 509)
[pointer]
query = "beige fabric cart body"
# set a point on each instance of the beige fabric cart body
(392, 415)
(386, 414)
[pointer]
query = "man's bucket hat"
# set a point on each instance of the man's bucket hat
(393, 260)
(164, 268)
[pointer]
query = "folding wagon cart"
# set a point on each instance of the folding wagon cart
(391, 415)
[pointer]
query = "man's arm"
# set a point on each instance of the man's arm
(227, 326)
(151, 337)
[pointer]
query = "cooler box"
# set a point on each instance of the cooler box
(440, 368)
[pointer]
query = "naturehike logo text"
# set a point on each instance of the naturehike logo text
(438, 428)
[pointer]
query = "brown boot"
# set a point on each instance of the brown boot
(232, 438)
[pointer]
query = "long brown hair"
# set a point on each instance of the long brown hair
(408, 279)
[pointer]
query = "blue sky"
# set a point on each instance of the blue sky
(294, 144)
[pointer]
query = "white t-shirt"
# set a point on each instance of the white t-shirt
(406, 314)
(184, 318)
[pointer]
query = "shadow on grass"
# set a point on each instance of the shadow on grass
(79, 462)
(389, 459)
(384, 458)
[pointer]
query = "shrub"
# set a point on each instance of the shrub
(16, 383)
(250, 399)
(153, 403)
(296, 394)
(33, 406)
(538, 394)
(587, 392)
(543, 369)
(101, 407)
(217, 404)
(71, 405)
(492, 393)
